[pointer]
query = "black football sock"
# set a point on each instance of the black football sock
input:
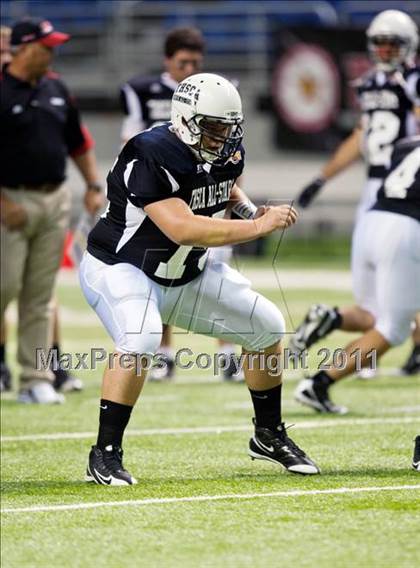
(113, 419)
(2, 353)
(267, 407)
(323, 379)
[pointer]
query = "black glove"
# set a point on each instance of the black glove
(309, 192)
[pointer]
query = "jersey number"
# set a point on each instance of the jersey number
(399, 180)
(382, 131)
(175, 267)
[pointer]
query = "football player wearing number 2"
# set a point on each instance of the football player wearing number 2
(170, 191)
(389, 98)
(387, 244)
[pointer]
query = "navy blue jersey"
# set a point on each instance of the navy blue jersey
(387, 101)
(153, 166)
(400, 192)
(146, 102)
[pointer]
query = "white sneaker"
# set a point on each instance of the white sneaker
(367, 374)
(163, 370)
(41, 393)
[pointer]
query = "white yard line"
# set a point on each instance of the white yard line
(204, 498)
(337, 422)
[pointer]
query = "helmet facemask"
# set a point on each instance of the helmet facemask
(217, 139)
(388, 52)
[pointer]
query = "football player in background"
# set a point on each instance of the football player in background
(146, 102)
(389, 97)
(145, 265)
(387, 248)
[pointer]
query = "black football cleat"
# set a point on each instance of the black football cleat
(412, 366)
(319, 322)
(277, 447)
(314, 394)
(105, 467)
(416, 456)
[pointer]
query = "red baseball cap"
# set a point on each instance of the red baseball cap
(31, 29)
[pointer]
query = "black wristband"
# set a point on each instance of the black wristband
(94, 187)
(321, 181)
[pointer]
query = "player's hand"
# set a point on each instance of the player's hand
(308, 194)
(12, 215)
(262, 210)
(94, 201)
(279, 217)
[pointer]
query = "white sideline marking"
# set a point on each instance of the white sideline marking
(213, 429)
(201, 498)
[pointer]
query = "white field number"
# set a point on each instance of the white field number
(400, 179)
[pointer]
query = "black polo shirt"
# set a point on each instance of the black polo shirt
(39, 127)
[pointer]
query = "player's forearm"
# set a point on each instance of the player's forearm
(207, 232)
(240, 204)
(86, 164)
(346, 154)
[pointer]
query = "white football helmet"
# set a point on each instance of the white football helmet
(206, 114)
(395, 28)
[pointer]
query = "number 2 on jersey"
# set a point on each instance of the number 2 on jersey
(382, 130)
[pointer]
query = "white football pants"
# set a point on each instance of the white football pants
(219, 303)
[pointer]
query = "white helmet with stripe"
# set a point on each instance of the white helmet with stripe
(206, 114)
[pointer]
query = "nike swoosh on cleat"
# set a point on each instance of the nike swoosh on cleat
(103, 407)
(416, 464)
(264, 447)
(106, 480)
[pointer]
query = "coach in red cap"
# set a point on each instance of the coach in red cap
(31, 30)
(40, 127)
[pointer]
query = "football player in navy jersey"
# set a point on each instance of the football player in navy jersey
(146, 102)
(171, 191)
(389, 97)
(388, 274)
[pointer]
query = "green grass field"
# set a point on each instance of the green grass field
(200, 500)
